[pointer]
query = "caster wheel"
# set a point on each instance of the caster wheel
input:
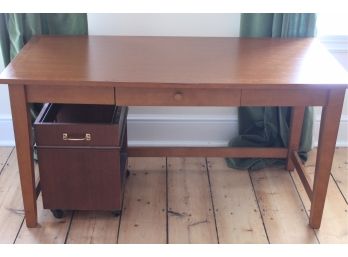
(117, 213)
(58, 213)
(127, 173)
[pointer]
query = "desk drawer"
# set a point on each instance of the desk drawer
(177, 97)
(290, 97)
(70, 94)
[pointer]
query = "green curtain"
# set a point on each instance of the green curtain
(17, 29)
(269, 126)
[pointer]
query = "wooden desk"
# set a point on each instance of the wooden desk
(173, 71)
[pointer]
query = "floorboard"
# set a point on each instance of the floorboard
(340, 171)
(11, 205)
(92, 227)
(207, 202)
(5, 153)
(190, 209)
(49, 230)
(143, 217)
(237, 213)
(334, 225)
(283, 212)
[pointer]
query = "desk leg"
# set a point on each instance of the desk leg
(297, 114)
(330, 120)
(23, 137)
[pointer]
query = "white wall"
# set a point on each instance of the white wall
(338, 47)
(6, 129)
(169, 126)
(210, 25)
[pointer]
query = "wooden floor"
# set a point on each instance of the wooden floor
(188, 200)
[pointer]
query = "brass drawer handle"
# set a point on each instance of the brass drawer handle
(86, 138)
(178, 96)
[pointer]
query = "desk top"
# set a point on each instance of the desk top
(148, 61)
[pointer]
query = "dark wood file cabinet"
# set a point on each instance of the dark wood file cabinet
(82, 153)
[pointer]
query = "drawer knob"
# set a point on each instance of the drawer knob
(178, 96)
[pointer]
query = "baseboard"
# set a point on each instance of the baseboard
(180, 130)
(163, 130)
(6, 131)
(342, 138)
(175, 143)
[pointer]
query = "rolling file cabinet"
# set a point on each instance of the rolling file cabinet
(82, 154)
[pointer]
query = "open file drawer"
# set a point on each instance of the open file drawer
(82, 154)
